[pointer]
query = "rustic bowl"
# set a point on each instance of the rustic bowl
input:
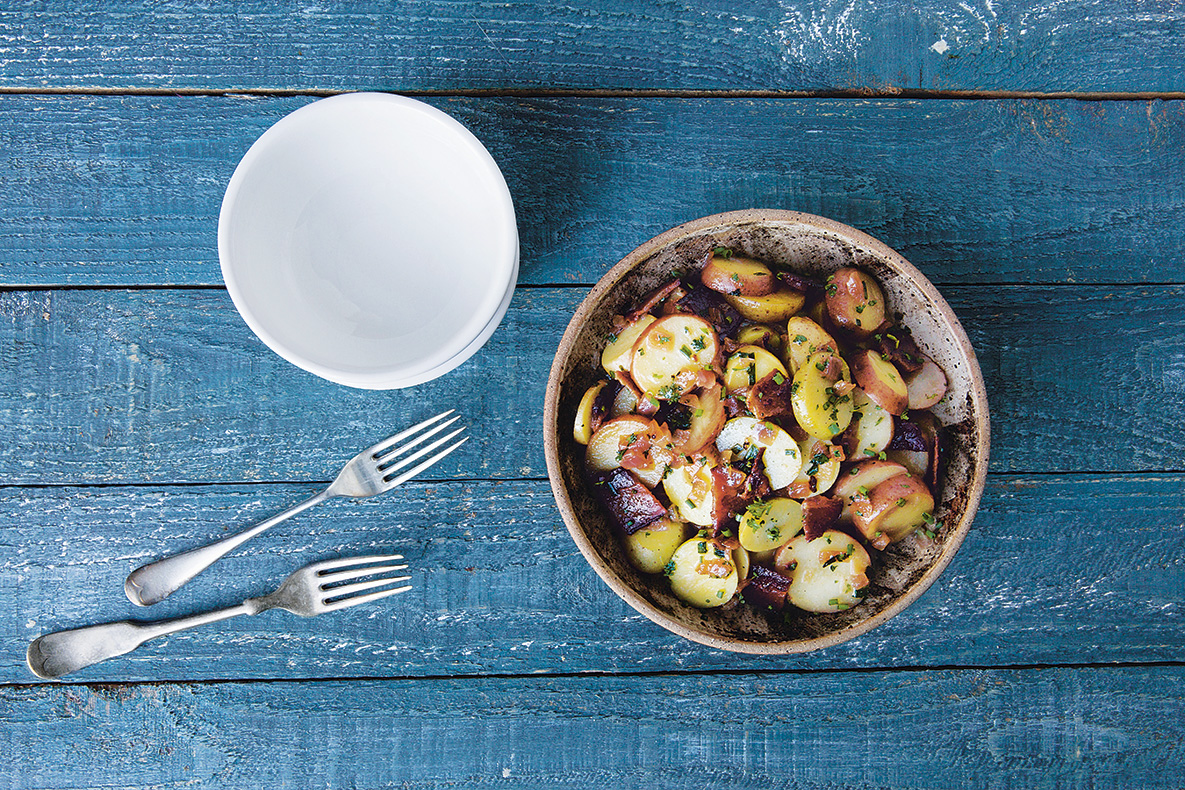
(812, 246)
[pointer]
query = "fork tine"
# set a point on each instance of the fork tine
(345, 603)
(408, 475)
(389, 469)
(379, 448)
(349, 590)
(326, 567)
(345, 575)
(386, 459)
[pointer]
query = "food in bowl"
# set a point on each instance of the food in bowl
(759, 436)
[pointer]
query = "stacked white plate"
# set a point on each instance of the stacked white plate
(371, 240)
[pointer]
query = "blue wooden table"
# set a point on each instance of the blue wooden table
(1027, 155)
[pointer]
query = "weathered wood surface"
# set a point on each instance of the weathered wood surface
(169, 386)
(759, 45)
(1056, 570)
(1027, 728)
(125, 190)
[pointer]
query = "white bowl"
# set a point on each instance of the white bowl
(369, 239)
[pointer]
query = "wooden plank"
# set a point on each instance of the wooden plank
(126, 190)
(1033, 728)
(166, 386)
(1056, 570)
(761, 45)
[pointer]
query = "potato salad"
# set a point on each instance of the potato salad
(758, 436)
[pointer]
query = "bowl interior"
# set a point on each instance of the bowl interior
(368, 238)
(812, 246)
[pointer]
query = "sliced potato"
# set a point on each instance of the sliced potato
(749, 365)
(646, 442)
(702, 573)
(782, 458)
(874, 427)
(691, 488)
(707, 418)
(618, 353)
(582, 431)
(881, 381)
(760, 335)
(820, 469)
(736, 275)
(651, 548)
(892, 510)
(855, 302)
(669, 346)
(624, 402)
(804, 339)
(820, 407)
(740, 558)
(860, 480)
(927, 386)
(827, 573)
(769, 524)
(769, 309)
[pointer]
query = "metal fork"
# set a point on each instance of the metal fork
(314, 589)
(373, 471)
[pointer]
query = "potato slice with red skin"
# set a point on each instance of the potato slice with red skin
(881, 381)
(855, 302)
(892, 510)
(636, 443)
(927, 386)
(860, 480)
(707, 418)
(668, 347)
(736, 275)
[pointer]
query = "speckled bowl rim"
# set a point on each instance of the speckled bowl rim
(612, 279)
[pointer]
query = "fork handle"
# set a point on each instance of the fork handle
(62, 652)
(154, 582)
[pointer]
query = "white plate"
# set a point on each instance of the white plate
(369, 239)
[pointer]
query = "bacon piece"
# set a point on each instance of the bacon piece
(629, 503)
(770, 397)
(818, 514)
(897, 345)
(766, 588)
(651, 300)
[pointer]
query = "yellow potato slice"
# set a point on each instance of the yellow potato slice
(760, 335)
(819, 407)
(804, 339)
(702, 573)
(749, 365)
(651, 548)
(772, 308)
(782, 459)
(612, 440)
(619, 351)
(692, 491)
(668, 347)
(767, 525)
(828, 572)
(582, 430)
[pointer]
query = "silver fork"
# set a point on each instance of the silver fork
(314, 589)
(373, 471)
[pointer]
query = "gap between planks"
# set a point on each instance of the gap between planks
(547, 676)
(656, 93)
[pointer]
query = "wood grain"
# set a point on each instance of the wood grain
(170, 386)
(1030, 728)
(126, 190)
(1056, 570)
(760, 45)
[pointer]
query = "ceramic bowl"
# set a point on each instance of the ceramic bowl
(369, 239)
(812, 246)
